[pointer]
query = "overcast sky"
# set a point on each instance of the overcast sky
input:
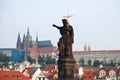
(95, 22)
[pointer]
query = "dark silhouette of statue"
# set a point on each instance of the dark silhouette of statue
(66, 61)
(66, 40)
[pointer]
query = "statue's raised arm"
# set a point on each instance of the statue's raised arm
(66, 29)
(55, 26)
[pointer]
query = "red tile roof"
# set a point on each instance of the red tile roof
(44, 49)
(107, 69)
(95, 51)
(118, 72)
(88, 74)
(29, 71)
(12, 75)
(50, 68)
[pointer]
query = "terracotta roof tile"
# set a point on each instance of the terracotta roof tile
(12, 75)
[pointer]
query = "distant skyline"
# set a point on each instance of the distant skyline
(95, 22)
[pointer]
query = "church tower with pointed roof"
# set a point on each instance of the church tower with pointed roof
(23, 41)
(28, 40)
(18, 46)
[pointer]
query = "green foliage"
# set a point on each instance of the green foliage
(41, 60)
(50, 60)
(30, 59)
(96, 63)
(89, 62)
(4, 59)
(82, 61)
(78, 78)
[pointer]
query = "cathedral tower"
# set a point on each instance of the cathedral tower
(18, 46)
(27, 40)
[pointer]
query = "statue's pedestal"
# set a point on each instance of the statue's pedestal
(66, 68)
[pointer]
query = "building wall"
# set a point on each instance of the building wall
(6, 51)
(97, 55)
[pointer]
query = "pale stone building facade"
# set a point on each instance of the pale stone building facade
(105, 56)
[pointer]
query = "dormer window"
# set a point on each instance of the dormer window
(19, 77)
(112, 73)
(102, 73)
(6, 78)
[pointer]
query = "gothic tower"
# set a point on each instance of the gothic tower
(27, 40)
(85, 47)
(89, 47)
(18, 46)
(23, 42)
(37, 40)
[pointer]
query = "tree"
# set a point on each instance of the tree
(30, 59)
(81, 61)
(96, 63)
(50, 60)
(89, 62)
(112, 63)
(41, 60)
(46, 61)
(77, 78)
(4, 59)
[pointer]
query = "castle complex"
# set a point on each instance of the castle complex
(104, 57)
(45, 48)
(35, 48)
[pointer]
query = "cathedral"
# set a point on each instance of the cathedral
(35, 48)
(27, 42)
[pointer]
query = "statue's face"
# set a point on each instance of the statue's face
(64, 22)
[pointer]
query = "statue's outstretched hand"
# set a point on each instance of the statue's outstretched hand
(54, 25)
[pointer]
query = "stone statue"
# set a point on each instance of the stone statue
(66, 61)
(66, 40)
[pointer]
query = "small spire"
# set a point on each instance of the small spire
(36, 37)
(24, 38)
(85, 47)
(28, 30)
(19, 36)
(18, 46)
(89, 48)
(28, 33)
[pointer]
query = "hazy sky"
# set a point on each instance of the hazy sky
(95, 22)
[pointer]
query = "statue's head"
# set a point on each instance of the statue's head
(65, 22)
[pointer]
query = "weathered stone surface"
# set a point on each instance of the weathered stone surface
(66, 61)
(66, 69)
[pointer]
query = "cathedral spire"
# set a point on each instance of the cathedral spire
(28, 33)
(24, 38)
(36, 37)
(24, 42)
(85, 47)
(28, 30)
(18, 46)
(89, 48)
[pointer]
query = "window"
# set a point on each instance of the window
(6, 77)
(112, 73)
(19, 77)
(14, 77)
(102, 73)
